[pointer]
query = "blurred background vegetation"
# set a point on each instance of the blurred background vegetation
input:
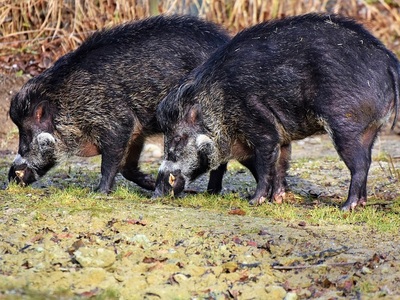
(34, 33)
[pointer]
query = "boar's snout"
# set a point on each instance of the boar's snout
(169, 182)
(21, 174)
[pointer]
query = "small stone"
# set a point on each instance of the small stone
(140, 239)
(365, 270)
(97, 258)
(275, 292)
(291, 296)
(180, 277)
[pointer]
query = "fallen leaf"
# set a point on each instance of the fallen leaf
(111, 222)
(237, 211)
(252, 243)
(136, 222)
(152, 294)
(347, 285)
(326, 283)
(302, 224)
(156, 266)
(149, 260)
(263, 232)
(27, 265)
(237, 240)
(244, 276)
(128, 254)
(75, 246)
(234, 294)
(55, 239)
(229, 267)
(37, 238)
(177, 278)
(90, 294)
(65, 235)
(373, 263)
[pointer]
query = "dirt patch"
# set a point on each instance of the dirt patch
(150, 251)
(57, 243)
(9, 85)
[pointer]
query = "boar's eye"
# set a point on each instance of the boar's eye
(176, 147)
(180, 140)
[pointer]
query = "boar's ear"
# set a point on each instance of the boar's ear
(41, 113)
(194, 114)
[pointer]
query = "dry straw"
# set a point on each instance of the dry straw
(57, 26)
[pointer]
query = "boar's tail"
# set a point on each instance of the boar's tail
(396, 84)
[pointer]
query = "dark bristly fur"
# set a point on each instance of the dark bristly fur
(101, 98)
(277, 82)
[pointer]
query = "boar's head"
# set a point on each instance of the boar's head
(33, 116)
(188, 151)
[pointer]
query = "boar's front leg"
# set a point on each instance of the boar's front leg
(112, 153)
(215, 182)
(130, 169)
(110, 161)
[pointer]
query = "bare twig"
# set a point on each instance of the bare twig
(287, 268)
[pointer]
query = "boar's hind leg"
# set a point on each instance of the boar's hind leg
(276, 180)
(279, 192)
(266, 156)
(130, 169)
(355, 150)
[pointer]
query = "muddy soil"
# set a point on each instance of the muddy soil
(125, 248)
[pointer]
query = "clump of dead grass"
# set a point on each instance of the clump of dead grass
(45, 30)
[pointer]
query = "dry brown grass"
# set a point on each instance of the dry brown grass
(44, 30)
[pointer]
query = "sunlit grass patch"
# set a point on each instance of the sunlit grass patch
(319, 214)
(311, 198)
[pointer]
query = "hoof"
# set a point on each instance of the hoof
(279, 196)
(258, 201)
(362, 202)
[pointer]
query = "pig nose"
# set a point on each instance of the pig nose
(12, 175)
(21, 174)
